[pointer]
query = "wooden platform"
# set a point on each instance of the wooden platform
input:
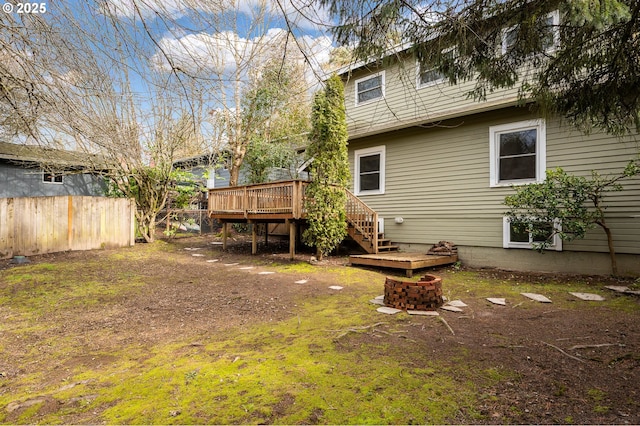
(402, 260)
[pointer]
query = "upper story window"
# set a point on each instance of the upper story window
(549, 34)
(370, 88)
(51, 178)
(428, 76)
(369, 171)
(517, 153)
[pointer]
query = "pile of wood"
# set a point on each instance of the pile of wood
(424, 295)
(444, 248)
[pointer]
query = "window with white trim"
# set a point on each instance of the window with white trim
(51, 178)
(369, 171)
(514, 236)
(429, 76)
(517, 153)
(549, 33)
(370, 88)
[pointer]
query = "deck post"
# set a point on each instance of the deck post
(254, 237)
(266, 234)
(292, 239)
(225, 229)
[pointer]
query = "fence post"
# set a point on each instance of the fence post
(70, 222)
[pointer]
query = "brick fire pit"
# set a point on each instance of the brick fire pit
(423, 295)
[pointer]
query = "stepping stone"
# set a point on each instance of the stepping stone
(618, 288)
(197, 255)
(497, 300)
(301, 282)
(457, 303)
(377, 302)
(424, 313)
(216, 243)
(212, 260)
(388, 310)
(265, 273)
(244, 268)
(588, 296)
(537, 297)
(379, 297)
(335, 287)
(451, 308)
(231, 264)
(192, 248)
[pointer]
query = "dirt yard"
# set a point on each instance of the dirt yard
(569, 362)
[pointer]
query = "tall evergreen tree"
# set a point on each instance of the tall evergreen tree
(583, 62)
(325, 195)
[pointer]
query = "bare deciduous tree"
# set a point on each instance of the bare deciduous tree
(136, 85)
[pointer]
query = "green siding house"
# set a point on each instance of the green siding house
(437, 165)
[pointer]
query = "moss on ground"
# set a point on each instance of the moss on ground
(305, 369)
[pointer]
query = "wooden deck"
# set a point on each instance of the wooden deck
(402, 260)
(283, 202)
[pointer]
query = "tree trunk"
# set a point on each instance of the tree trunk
(612, 251)
(146, 226)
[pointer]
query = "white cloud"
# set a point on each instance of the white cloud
(222, 54)
(146, 8)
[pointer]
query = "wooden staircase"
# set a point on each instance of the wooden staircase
(363, 227)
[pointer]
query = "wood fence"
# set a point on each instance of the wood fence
(38, 225)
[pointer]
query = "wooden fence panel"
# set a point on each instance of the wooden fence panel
(37, 225)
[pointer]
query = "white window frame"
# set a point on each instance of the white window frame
(507, 243)
(494, 151)
(555, 30)
(54, 176)
(555, 22)
(380, 74)
(381, 150)
(420, 71)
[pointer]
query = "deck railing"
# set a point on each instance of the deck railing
(363, 218)
(285, 199)
(274, 198)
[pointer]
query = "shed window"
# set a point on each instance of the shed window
(51, 178)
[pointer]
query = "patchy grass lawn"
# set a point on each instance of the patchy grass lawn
(157, 334)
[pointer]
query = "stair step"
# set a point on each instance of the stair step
(388, 248)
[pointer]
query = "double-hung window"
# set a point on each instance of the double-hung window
(549, 34)
(370, 88)
(517, 152)
(369, 171)
(429, 76)
(514, 235)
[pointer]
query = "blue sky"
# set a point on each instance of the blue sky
(198, 37)
(201, 35)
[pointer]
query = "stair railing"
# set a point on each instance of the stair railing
(363, 218)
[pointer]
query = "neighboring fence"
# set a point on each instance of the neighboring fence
(37, 225)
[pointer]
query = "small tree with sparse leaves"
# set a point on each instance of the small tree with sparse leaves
(325, 195)
(575, 203)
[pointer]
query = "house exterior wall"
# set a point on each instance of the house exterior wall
(16, 181)
(406, 104)
(437, 179)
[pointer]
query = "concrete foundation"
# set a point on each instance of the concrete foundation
(566, 262)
